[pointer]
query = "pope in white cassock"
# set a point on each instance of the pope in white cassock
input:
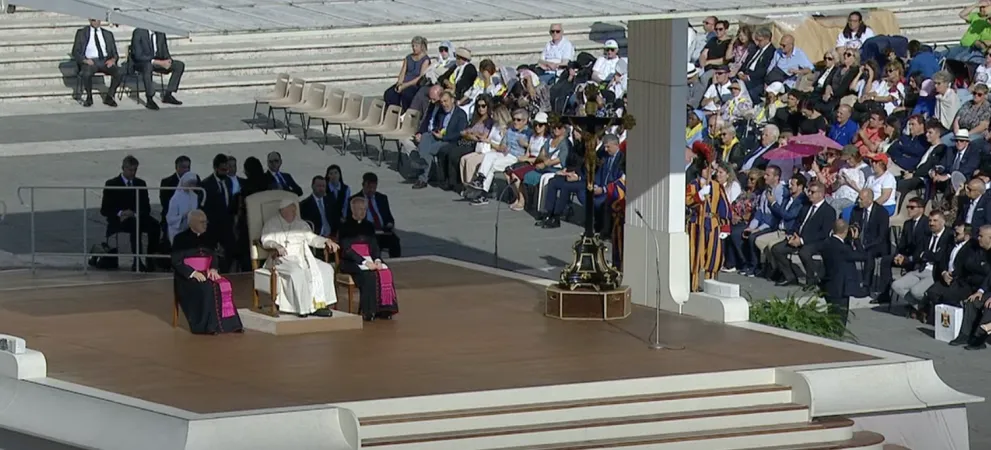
(306, 284)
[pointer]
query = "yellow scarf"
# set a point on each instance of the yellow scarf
(729, 146)
(689, 132)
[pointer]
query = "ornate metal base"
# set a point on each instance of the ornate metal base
(590, 269)
(566, 304)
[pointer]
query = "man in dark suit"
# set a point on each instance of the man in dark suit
(842, 280)
(320, 209)
(959, 275)
(977, 308)
(806, 237)
(755, 68)
(277, 177)
(612, 168)
(873, 235)
(380, 214)
(915, 231)
(123, 207)
(220, 208)
(912, 286)
(448, 124)
(754, 159)
(961, 159)
(150, 53)
(95, 51)
(974, 207)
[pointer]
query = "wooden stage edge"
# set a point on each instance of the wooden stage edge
(461, 328)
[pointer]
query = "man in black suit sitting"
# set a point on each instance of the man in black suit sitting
(871, 222)
(958, 275)
(915, 230)
(320, 209)
(150, 53)
(123, 207)
(755, 68)
(977, 308)
(806, 237)
(95, 51)
(380, 214)
(912, 286)
(276, 177)
(841, 255)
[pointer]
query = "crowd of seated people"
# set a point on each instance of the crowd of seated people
(94, 50)
(910, 151)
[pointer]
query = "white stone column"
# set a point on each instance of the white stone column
(655, 166)
(655, 178)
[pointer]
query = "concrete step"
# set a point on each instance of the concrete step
(371, 62)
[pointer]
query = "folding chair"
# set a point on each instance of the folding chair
(372, 117)
(279, 92)
(314, 98)
(390, 123)
(131, 74)
(294, 98)
(353, 105)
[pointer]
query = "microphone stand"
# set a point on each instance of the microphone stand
(656, 344)
(495, 252)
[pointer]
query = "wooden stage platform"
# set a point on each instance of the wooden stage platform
(459, 330)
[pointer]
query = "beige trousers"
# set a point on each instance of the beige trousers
(469, 165)
(765, 242)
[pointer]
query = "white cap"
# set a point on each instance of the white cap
(692, 70)
(540, 117)
(611, 44)
(776, 88)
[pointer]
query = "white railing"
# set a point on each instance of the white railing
(86, 254)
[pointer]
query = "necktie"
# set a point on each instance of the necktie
(323, 214)
(99, 43)
(375, 215)
(223, 189)
(812, 212)
(956, 161)
(278, 179)
(753, 62)
(932, 244)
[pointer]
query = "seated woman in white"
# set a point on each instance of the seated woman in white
(306, 284)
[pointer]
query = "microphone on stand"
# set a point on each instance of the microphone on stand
(495, 252)
(656, 343)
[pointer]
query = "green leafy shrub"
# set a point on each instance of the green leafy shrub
(809, 317)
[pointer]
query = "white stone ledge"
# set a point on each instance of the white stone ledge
(718, 302)
(864, 389)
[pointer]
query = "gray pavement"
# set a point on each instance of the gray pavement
(429, 221)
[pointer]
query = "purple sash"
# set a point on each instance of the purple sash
(387, 291)
(202, 264)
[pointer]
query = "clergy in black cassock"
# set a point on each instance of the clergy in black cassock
(206, 298)
(361, 258)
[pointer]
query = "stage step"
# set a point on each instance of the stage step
(740, 411)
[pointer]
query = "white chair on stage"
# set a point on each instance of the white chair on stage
(260, 207)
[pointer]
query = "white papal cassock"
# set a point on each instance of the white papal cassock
(306, 284)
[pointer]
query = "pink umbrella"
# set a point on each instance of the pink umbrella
(816, 140)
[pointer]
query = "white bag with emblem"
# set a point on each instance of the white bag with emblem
(948, 319)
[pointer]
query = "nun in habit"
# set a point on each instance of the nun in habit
(306, 284)
(183, 202)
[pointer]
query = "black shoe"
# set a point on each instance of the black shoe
(978, 340)
(171, 100)
(368, 317)
(419, 185)
(109, 101)
(323, 312)
(540, 219)
(960, 340)
(88, 102)
(479, 201)
(551, 222)
(150, 104)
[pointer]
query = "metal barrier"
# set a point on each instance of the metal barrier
(86, 254)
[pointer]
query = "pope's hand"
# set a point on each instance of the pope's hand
(198, 276)
(332, 246)
(281, 251)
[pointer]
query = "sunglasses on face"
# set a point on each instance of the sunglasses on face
(442, 49)
(848, 55)
(555, 31)
(828, 58)
(481, 105)
(720, 29)
(519, 120)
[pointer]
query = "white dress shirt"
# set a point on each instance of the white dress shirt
(92, 51)
(953, 255)
(933, 245)
(154, 42)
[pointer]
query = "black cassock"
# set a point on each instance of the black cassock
(208, 305)
(378, 297)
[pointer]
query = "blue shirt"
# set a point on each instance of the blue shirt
(797, 60)
(843, 134)
(512, 140)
